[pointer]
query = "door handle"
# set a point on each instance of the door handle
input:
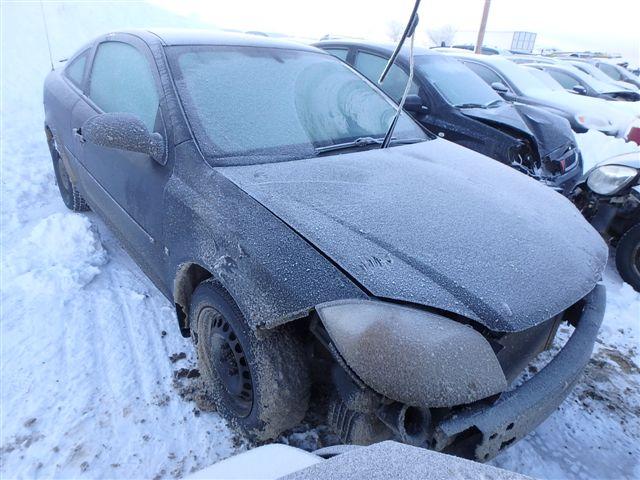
(78, 134)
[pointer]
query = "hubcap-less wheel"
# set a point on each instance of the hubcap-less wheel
(635, 258)
(228, 359)
(628, 256)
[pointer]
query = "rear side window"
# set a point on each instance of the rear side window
(371, 66)
(340, 53)
(485, 73)
(567, 81)
(75, 70)
(610, 70)
(122, 81)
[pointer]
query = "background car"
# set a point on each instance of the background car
(384, 460)
(452, 101)
(515, 83)
(595, 72)
(609, 197)
(576, 81)
(616, 72)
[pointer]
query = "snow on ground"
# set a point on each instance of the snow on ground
(94, 375)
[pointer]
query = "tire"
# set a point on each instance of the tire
(71, 197)
(628, 257)
(260, 383)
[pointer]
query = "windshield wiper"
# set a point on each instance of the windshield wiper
(358, 142)
(409, 32)
(494, 103)
(363, 142)
(470, 105)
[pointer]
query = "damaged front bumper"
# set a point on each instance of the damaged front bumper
(482, 431)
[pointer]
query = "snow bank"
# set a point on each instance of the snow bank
(62, 248)
(597, 147)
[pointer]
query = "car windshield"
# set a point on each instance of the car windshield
(249, 105)
(521, 78)
(455, 82)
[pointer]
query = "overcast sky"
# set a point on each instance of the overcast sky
(613, 26)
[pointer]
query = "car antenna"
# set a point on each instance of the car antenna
(409, 32)
(46, 33)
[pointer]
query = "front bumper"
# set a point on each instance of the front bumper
(482, 431)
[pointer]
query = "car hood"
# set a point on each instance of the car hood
(579, 104)
(504, 114)
(438, 225)
(629, 159)
(549, 131)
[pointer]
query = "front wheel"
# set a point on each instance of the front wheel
(259, 381)
(71, 197)
(628, 257)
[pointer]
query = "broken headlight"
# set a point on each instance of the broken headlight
(412, 356)
(610, 179)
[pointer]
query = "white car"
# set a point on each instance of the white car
(381, 461)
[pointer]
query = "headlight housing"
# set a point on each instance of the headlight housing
(592, 122)
(610, 179)
(412, 356)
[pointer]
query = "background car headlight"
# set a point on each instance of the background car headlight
(593, 122)
(609, 179)
(412, 356)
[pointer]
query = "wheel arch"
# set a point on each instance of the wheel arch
(188, 276)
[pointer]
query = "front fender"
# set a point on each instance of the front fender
(273, 274)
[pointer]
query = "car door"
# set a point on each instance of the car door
(127, 188)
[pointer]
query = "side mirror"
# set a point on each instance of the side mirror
(413, 103)
(124, 131)
(579, 89)
(499, 87)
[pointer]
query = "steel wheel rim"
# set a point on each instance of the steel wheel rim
(635, 259)
(229, 360)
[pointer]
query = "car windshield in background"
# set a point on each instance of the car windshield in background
(457, 84)
(251, 105)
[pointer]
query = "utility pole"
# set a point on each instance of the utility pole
(483, 26)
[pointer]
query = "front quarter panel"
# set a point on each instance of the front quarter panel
(271, 272)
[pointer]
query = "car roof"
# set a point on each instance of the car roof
(496, 60)
(382, 47)
(175, 36)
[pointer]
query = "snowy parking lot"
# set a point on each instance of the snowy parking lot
(96, 381)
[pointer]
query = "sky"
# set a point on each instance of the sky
(567, 24)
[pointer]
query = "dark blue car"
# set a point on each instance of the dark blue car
(454, 103)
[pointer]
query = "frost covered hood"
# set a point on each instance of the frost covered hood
(438, 225)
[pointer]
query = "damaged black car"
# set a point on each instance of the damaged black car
(414, 283)
(456, 104)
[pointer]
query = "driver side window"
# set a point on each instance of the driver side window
(567, 81)
(488, 75)
(122, 81)
(371, 66)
